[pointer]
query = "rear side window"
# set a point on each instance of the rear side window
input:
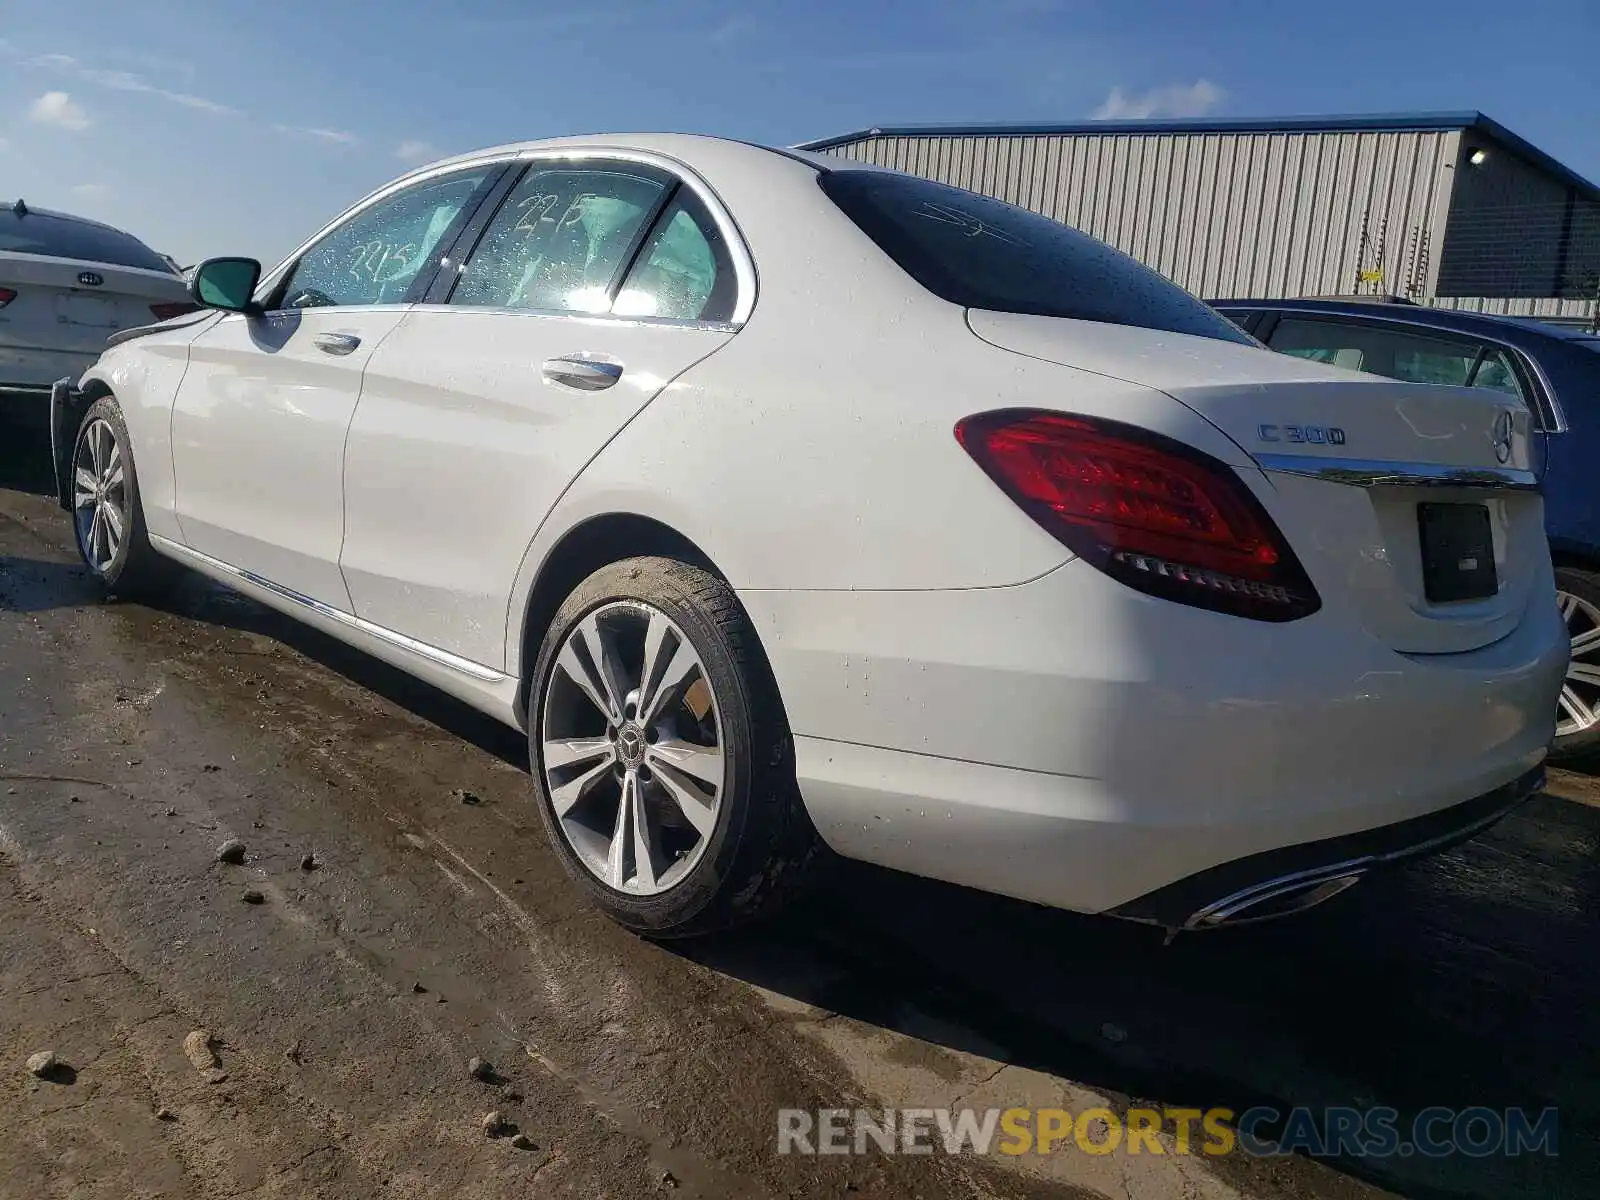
(63, 237)
(683, 272)
(982, 253)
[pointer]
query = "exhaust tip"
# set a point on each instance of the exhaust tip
(1278, 898)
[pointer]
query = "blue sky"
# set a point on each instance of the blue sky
(231, 127)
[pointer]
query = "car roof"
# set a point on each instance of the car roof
(1510, 329)
(56, 215)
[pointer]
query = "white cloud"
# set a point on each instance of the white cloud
(126, 81)
(53, 60)
(1174, 100)
(91, 191)
(337, 136)
(731, 29)
(414, 151)
(60, 110)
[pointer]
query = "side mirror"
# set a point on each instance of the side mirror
(226, 283)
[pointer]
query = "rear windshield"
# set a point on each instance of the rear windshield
(63, 237)
(983, 253)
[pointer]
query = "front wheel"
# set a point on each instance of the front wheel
(662, 761)
(107, 517)
(1578, 709)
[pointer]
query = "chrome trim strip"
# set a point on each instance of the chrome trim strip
(465, 310)
(1558, 413)
(421, 649)
(1368, 472)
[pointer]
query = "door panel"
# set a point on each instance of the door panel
(464, 439)
(258, 431)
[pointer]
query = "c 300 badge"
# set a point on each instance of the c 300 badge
(1307, 435)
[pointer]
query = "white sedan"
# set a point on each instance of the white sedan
(66, 284)
(785, 502)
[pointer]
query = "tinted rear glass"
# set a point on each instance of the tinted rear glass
(983, 253)
(62, 237)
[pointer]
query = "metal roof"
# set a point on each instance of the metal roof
(1466, 120)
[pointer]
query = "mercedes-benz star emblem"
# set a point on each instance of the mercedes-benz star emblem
(1500, 435)
(630, 745)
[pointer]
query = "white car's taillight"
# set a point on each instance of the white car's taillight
(1151, 512)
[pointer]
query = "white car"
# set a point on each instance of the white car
(66, 284)
(779, 498)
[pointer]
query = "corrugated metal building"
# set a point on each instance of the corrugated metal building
(1445, 208)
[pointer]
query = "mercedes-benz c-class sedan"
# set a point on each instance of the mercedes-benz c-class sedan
(787, 503)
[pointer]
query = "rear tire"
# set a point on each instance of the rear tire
(662, 761)
(1578, 715)
(107, 515)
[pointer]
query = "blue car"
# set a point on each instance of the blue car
(1552, 369)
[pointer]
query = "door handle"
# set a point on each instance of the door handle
(336, 343)
(585, 374)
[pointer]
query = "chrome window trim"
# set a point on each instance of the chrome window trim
(564, 315)
(433, 654)
(1370, 472)
(1557, 413)
(744, 269)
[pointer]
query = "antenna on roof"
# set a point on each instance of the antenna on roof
(20, 208)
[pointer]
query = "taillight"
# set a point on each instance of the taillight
(6, 296)
(174, 308)
(1151, 512)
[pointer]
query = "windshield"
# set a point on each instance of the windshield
(66, 237)
(984, 253)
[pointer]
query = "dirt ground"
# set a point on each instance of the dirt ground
(345, 1005)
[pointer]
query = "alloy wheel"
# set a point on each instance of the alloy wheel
(1580, 696)
(632, 746)
(99, 495)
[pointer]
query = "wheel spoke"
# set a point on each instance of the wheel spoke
(565, 796)
(1569, 604)
(1582, 715)
(86, 482)
(1584, 673)
(576, 669)
(113, 461)
(97, 446)
(673, 677)
(114, 525)
(702, 762)
(603, 654)
(92, 541)
(621, 835)
(570, 752)
(697, 808)
(1585, 642)
(644, 865)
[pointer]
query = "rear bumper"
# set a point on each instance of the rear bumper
(25, 367)
(1277, 882)
(1075, 744)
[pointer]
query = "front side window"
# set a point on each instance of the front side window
(375, 256)
(683, 272)
(561, 239)
(983, 253)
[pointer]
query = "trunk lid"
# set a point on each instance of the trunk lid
(1394, 495)
(58, 307)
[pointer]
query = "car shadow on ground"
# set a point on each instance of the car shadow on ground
(1468, 981)
(25, 444)
(1465, 982)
